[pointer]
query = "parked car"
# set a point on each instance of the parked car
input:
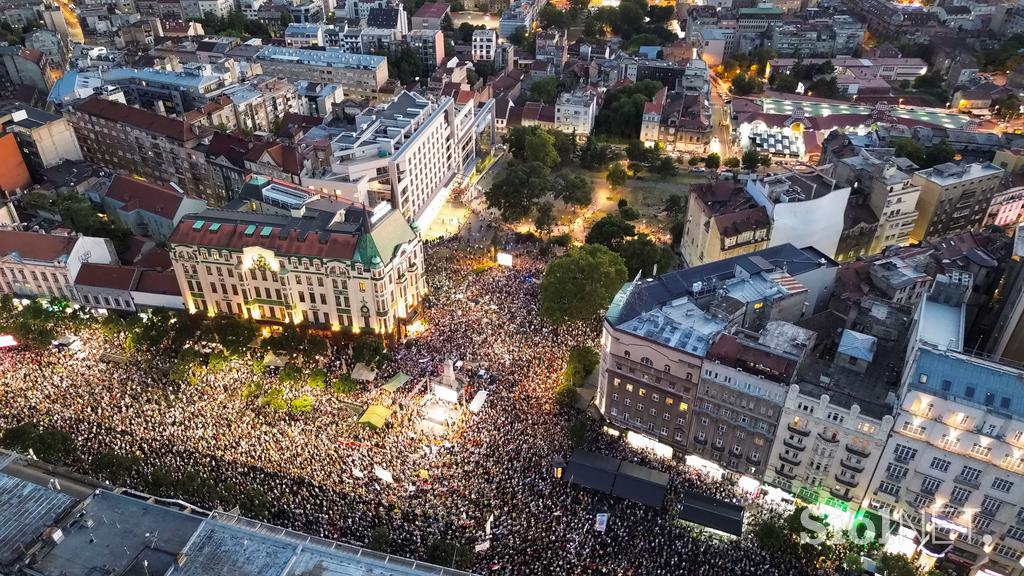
(698, 170)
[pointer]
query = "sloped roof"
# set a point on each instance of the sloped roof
(386, 18)
(111, 276)
(143, 119)
(138, 195)
(857, 345)
(36, 246)
(432, 10)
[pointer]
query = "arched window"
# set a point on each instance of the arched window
(646, 361)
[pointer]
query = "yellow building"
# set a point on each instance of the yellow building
(722, 221)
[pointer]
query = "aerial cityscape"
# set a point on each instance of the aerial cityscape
(512, 287)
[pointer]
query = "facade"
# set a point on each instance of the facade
(953, 198)
(575, 113)
(891, 69)
(552, 47)
(34, 264)
(953, 459)
(1007, 338)
(407, 153)
(258, 104)
(1006, 209)
(658, 333)
(330, 264)
(805, 207)
(14, 175)
(128, 288)
(26, 66)
(45, 139)
(146, 144)
(361, 75)
(484, 45)
(889, 190)
(723, 221)
(148, 209)
(430, 16)
(679, 121)
(304, 35)
(743, 386)
(429, 45)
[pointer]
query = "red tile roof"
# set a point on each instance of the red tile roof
(231, 235)
(173, 128)
(138, 195)
(107, 276)
(35, 246)
(155, 259)
(432, 10)
(231, 147)
(283, 156)
(153, 282)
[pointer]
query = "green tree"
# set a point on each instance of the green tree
(578, 431)
(233, 334)
(545, 90)
(642, 254)
(732, 162)
(666, 167)
(894, 565)
(380, 537)
(594, 155)
(289, 374)
(617, 175)
(743, 85)
(636, 151)
(939, 154)
(301, 405)
(610, 232)
(544, 220)
(406, 66)
(752, 159)
(693, 161)
(675, 205)
(516, 192)
(344, 385)
(317, 378)
(368, 349)
(540, 148)
(285, 19)
(581, 284)
(785, 83)
(713, 161)
(622, 111)
(274, 400)
(581, 363)
(551, 17)
(565, 145)
(572, 189)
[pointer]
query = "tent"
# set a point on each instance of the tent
(717, 515)
(640, 484)
(363, 373)
(396, 382)
(376, 415)
(592, 470)
(272, 360)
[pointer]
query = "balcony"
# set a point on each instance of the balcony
(929, 490)
(718, 448)
(847, 481)
(856, 451)
(789, 460)
(963, 481)
(841, 495)
(851, 466)
(699, 440)
(782, 472)
(794, 428)
(793, 445)
(830, 438)
(753, 460)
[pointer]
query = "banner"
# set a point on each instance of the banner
(383, 474)
(601, 522)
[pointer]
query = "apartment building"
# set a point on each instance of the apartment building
(838, 36)
(34, 264)
(484, 45)
(360, 75)
(431, 16)
(575, 113)
(407, 152)
(552, 46)
(146, 144)
(744, 382)
(304, 35)
(891, 69)
(164, 91)
(954, 198)
(658, 332)
(889, 191)
(723, 222)
(326, 262)
(128, 288)
(954, 458)
(679, 121)
(258, 104)
(429, 45)
(44, 139)
(806, 206)
(838, 413)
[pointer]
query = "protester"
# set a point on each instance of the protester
(316, 470)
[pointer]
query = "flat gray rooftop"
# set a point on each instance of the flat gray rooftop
(124, 531)
(25, 511)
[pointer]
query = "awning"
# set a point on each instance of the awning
(592, 470)
(640, 484)
(718, 515)
(363, 373)
(375, 416)
(396, 382)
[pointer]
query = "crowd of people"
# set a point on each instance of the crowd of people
(487, 482)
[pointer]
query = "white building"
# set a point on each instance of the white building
(575, 112)
(325, 262)
(298, 35)
(45, 139)
(361, 75)
(806, 207)
(484, 44)
(34, 264)
(955, 460)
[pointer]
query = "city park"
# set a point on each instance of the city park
(439, 447)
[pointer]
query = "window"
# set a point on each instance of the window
(628, 402)
(889, 488)
(614, 396)
(1006, 551)
(930, 485)
(940, 464)
(913, 429)
(904, 453)
(629, 387)
(970, 474)
(990, 505)
(960, 494)
(1016, 533)
(1002, 485)
(896, 471)
(981, 451)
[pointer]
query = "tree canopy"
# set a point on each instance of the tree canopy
(642, 254)
(610, 232)
(617, 175)
(623, 109)
(572, 189)
(581, 284)
(516, 192)
(545, 90)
